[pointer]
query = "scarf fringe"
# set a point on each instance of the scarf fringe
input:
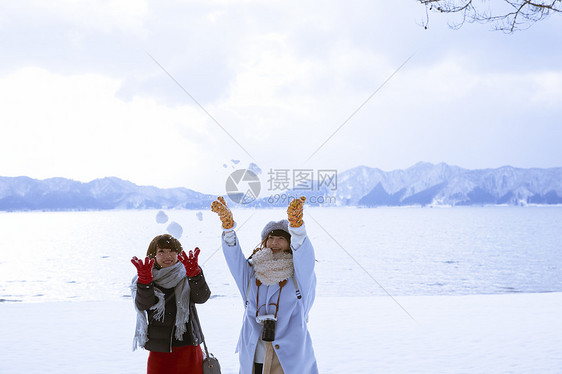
(159, 306)
(182, 314)
(168, 277)
(141, 326)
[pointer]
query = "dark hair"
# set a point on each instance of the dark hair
(164, 241)
(279, 232)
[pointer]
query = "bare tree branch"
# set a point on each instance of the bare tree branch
(509, 16)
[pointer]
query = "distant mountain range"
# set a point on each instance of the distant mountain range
(423, 184)
(428, 184)
(23, 193)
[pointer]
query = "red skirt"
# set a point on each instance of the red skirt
(184, 360)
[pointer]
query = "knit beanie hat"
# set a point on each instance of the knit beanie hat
(279, 228)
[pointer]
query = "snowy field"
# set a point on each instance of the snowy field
(519, 333)
(400, 290)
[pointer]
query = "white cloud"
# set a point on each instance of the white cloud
(548, 90)
(104, 16)
(75, 127)
(83, 100)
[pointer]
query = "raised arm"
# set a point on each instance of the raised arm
(235, 259)
(303, 252)
(200, 291)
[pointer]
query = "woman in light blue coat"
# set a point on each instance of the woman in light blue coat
(278, 286)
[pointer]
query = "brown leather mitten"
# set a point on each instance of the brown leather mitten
(219, 206)
(294, 212)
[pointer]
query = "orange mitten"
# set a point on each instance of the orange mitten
(294, 212)
(219, 206)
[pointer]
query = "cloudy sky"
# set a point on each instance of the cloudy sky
(169, 93)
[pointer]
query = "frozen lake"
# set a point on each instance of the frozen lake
(56, 256)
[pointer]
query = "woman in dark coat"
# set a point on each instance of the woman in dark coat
(168, 285)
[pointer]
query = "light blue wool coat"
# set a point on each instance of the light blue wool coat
(292, 343)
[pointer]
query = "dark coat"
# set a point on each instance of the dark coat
(161, 333)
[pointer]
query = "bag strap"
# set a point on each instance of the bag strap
(299, 296)
(202, 335)
(247, 295)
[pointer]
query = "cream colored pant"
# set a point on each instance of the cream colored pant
(271, 364)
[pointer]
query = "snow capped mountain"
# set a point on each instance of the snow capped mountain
(23, 193)
(356, 183)
(421, 184)
(442, 184)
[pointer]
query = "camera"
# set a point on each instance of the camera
(268, 321)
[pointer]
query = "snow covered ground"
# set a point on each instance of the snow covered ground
(469, 285)
(510, 333)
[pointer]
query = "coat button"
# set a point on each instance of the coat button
(276, 346)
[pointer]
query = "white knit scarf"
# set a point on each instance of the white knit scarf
(170, 277)
(272, 268)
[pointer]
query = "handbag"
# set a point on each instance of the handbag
(210, 363)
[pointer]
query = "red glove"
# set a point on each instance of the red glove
(190, 262)
(143, 270)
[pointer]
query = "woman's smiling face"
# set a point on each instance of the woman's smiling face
(277, 244)
(166, 257)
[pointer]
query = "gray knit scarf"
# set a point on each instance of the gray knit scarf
(170, 277)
